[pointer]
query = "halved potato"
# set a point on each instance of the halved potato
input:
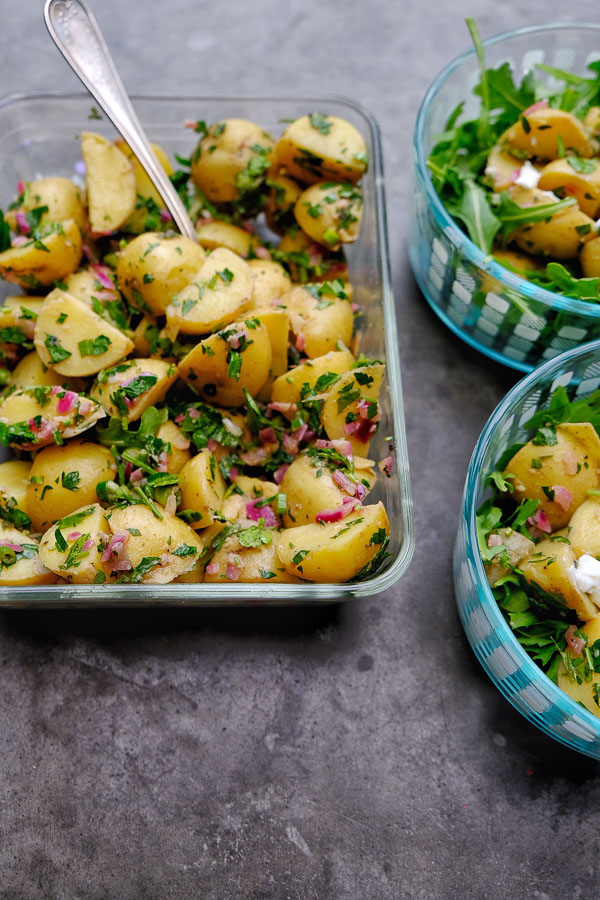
(214, 234)
(110, 182)
(589, 257)
(548, 567)
(338, 551)
(574, 177)
(40, 415)
(270, 282)
(288, 387)
(202, 488)
(222, 365)
(14, 478)
(220, 290)
(20, 563)
(30, 265)
(548, 133)
(250, 565)
(31, 371)
(502, 168)
(231, 159)
(561, 236)
(330, 213)
(73, 547)
(131, 387)
(310, 488)
(179, 453)
(319, 148)
(144, 188)
(351, 410)
(279, 208)
(319, 319)
(62, 197)
(73, 340)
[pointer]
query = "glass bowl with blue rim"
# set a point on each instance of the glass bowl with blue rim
(513, 672)
(493, 309)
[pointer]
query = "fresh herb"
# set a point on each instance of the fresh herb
(54, 348)
(94, 347)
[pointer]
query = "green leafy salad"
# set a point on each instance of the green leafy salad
(523, 179)
(539, 539)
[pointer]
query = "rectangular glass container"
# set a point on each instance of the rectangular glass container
(40, 136)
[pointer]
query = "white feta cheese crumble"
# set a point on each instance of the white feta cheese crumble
(584, 575)
(529, 176)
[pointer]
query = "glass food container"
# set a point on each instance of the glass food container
(40, 136)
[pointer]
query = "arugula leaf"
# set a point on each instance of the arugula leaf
(475, 212)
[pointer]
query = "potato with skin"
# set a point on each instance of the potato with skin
(30, 266)
(168, 540)
(288, 387)
(202, 488)
(212, 235)
(548, 567)
(85, 532)
(321, 148)
(14, 478)
(110, 183)
(20, 563)
(502, 168)
(131, 387)
(270, 282)
(562, 235)
(231, 159)
(571, 463)
(584, 528)
(277, 323)
(574, 177)
(356, 392)
(62, 197)
(144, 188)
(218, 293)
(74, 340)
(591, 121)
(309, 261)
(31, 371)
(547, 133)
(251, 565)
(154, 267)
(206, 368)
(64, 478)
(337, 551)
(319, 319)
(588, 691)
(34, 416)
(179, 453)
(330, 213)
(589, 258)
(23, 311)
(309, 487)
(279, 208)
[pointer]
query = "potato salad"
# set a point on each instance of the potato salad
(539, 537)
(181, 410)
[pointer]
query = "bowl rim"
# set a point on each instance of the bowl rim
(205, 594)
(486, 600)
(459, 238)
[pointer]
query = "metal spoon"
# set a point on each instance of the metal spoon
(76, 34)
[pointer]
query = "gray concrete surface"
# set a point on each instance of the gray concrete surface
(354, 752)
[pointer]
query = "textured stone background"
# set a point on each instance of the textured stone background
(354, 752)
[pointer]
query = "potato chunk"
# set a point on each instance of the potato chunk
(62, 197)
(548, 567)
(310, 487)
(574, 177)
(319, 319)
(30, 265)
(131, 387)
(231, 159)
(330, 213)
(351, 409)
(40, 415)
(14, 477)
(547, 133)
(561, 236)
(212, 235)
(73, 547)
(288, 388)
(73, 340)
(338, 551)
(202, 488)
(110, 183)
(20, 563)
(322, 148)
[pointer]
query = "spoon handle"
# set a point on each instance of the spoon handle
(76, 34)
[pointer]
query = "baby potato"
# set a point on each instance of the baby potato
(129, 388)
(222, 365)
(154, 267)
(23, 312)
(14, 478)
(60, 195)
(574, 177)
(40, 415)
(309, 261)
(145, 190)
(310, 487)
(277, 323)
(231, 159)
(73, 547)
(351, 410)
(250, 565)
(548, 567)
(321, 148)
(560, 236)
(20, 563)
(270, 282)
(330, 213)
(288, 387)
(584, 528)
(214, 234)
(584, 694)
(30, 266)
(589, 257)
(591, 121)
(31, 371)
(167, 541)
(220, 290)
(110, 183)
(501, 168)
(202, 488)
(337, 551)
(64, 478)
(548, 133)
(571, 463)
(74, 340)
(319, 319)
(179, 453)
(279, 207)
